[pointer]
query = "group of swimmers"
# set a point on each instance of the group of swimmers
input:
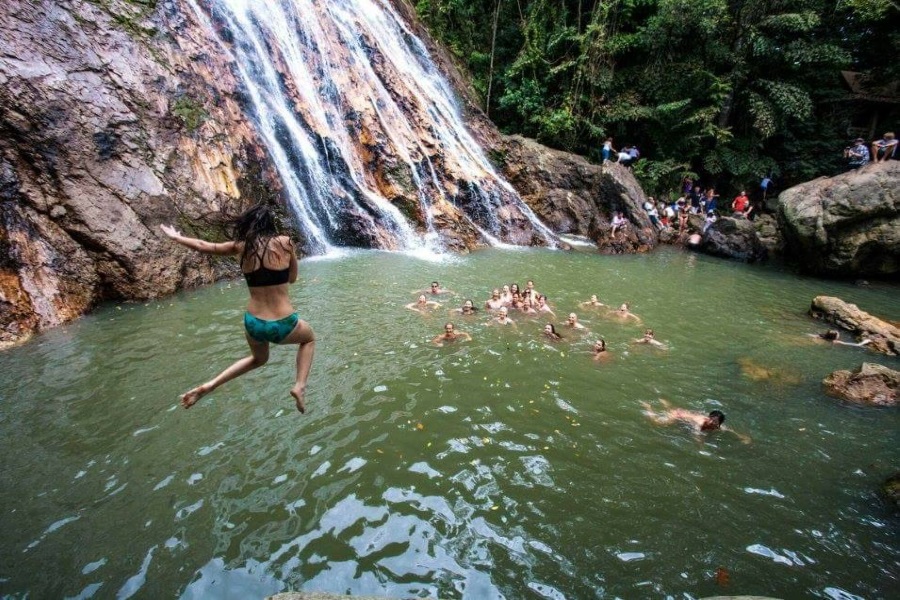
(528, 301)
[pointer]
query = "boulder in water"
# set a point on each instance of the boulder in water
(871, 385)
(884, 336)
(734, 238)
(891, 489)
(845, 226)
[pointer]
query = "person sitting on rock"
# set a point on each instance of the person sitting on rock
(619, 223)
(883, 149)
(708, 222)
(857, 155)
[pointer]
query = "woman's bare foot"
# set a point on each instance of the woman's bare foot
(298, 391)
(190, 398)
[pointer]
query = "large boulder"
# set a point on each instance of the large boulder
(884, 336)
(574, 196)
(891, 489)
(734, 238)
(870, 384)
(845, 226)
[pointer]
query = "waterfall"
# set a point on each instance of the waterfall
(364, 131)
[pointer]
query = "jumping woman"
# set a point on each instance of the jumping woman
(269, 264)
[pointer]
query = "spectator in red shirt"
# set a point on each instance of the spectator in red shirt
(741, 205)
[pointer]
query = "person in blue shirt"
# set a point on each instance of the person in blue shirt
(857, 154)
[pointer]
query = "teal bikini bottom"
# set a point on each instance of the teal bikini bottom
(270, 331)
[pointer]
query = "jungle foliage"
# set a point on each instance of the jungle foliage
(726, 90)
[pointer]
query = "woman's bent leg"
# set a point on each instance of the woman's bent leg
(303, 335)
(259, 355)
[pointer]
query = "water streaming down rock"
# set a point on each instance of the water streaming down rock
(364, 131)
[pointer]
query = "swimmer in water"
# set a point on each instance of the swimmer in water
(623, 313)
(592, 303)
(599, 351)
(502, 318)
(450, 335)
(423, 304)
(543, 307)
(550, 333)
(434, 289)
(572, 322)
(269, 264)
(468, 309)
(698, 422)
(506, 296)
(649, 339)
(495, 302)
(834, 336)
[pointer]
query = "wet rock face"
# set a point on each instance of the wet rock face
(884, 336)
(577, 197)
(108, 129)
(845, 226)
(870, 384)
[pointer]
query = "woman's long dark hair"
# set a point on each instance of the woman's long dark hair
(255, 227)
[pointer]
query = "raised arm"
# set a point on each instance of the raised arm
(222, 248)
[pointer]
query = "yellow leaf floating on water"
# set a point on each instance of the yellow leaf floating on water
(495, 507)
(562, 354)
(419, 426)
(428, 445)
(486, 440)
(379, 451)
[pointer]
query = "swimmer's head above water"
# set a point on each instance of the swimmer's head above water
(831, 335)
(713, 421)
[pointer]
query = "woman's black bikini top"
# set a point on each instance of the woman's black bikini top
(264, 276)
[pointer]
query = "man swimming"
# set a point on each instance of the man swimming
(502, 318)
(450, 335)
(697, 421)
(650, 339)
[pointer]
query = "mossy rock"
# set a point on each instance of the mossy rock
(891, 489)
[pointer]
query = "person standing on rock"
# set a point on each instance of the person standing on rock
(269, 263)
(608, 149)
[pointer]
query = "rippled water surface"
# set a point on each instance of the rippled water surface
(502, 467)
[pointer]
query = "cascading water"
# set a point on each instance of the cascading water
(363, 129)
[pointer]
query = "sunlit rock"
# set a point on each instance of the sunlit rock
(870, 384)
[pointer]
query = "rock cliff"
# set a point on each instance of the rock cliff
(108, 127)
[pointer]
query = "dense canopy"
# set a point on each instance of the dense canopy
(723, 90)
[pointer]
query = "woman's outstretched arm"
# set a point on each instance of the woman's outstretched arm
(223, 248)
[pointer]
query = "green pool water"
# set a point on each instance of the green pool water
(504, 467)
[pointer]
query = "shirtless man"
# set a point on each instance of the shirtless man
(698, 422)
(423, 304)
(435, 289)
(649, 339)
(450, 335)
(592, 303)
(572, 322)
(502, 318)
(529, 287)
(495, 302)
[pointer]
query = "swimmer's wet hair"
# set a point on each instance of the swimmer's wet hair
(718, 414)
